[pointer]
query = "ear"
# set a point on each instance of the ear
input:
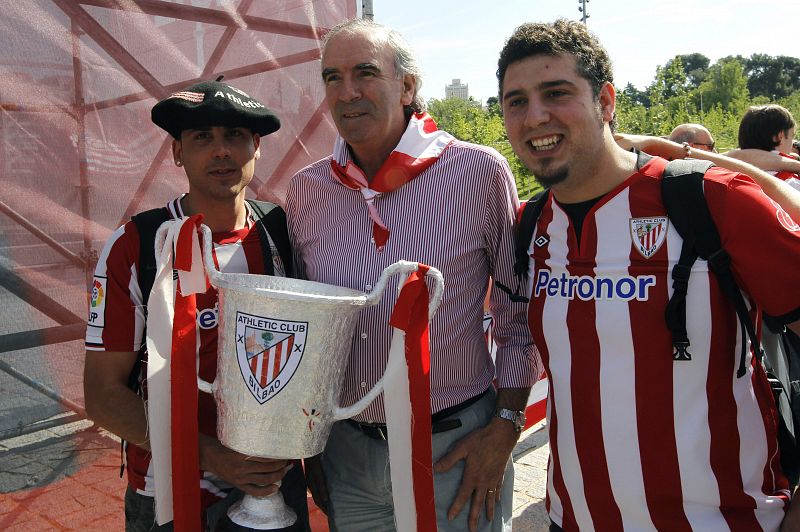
(177, 152)
(409, 87)
(607, 97)
(257, 145)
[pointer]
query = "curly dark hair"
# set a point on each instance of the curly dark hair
(560, 37)
(761, 123)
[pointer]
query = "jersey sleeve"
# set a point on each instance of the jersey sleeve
(762, 240)
(116, 316)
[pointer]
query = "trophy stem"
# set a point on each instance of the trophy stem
(262, 513)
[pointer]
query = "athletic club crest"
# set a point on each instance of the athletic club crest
(269, 352)
(648, 234)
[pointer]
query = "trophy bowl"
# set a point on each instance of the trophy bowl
(282, 350)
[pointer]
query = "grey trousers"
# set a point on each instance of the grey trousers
(359, 483)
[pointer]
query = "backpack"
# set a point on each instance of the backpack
(778, 350)
(270, 220)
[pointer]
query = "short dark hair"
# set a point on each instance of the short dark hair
(761, 123)
(560, 37)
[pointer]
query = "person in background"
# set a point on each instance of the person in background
(696, 135)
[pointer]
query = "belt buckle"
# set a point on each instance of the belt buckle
(381, 432)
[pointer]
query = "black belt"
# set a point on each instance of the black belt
(439, 423)
(378, 431)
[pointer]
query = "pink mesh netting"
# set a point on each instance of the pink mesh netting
(79, 155)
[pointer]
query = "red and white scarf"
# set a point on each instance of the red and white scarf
(172, 405)
(420, 146)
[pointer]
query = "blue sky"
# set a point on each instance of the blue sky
(462, 39)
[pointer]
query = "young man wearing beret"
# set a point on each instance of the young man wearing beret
(216, 132)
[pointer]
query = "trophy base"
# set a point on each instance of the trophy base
(259, 513)
(226, 525)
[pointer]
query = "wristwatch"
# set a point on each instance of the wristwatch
(517, 417)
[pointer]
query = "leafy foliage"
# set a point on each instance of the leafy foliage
(468, 121)
(687, 89)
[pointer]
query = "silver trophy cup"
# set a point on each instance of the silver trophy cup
(282, 349)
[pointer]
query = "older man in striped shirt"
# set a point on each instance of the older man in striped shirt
(397, 188)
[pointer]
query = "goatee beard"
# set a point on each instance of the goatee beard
(547, 180)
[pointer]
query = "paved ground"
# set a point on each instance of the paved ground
(530, 467)
(58, 472)
(66, 477)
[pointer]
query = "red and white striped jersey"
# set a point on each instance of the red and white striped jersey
(785, 175)
(639, 441)
(116, 318)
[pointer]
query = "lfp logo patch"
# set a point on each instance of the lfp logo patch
(97, 305)
(648, 234)
(98, 293)
(269, 352)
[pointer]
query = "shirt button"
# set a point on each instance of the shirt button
(368, 287)
(363, 336)
(363, 384)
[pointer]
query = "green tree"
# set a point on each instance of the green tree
(468, 121)
(773, 77)
(630, 115)
(493, 105)
(635, 96)
(695, 66)
(670, 82)
(726, 86)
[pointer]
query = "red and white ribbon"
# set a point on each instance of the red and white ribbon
(172, 347)
(408, 413)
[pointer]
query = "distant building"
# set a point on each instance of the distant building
(457, 90)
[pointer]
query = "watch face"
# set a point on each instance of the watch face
(517, 417)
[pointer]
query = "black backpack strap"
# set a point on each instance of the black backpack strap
(523, 233)
(147, 224)
(271, 220)
(685, 202)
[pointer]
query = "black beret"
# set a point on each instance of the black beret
(212, 103)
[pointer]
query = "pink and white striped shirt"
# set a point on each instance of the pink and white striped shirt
(456, 216)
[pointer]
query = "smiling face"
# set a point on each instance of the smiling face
(365, 97)
(219, 161)
(554, 121)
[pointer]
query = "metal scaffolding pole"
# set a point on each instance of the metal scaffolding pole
(583, 10)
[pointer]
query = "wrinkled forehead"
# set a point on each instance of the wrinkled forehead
(356, 47)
